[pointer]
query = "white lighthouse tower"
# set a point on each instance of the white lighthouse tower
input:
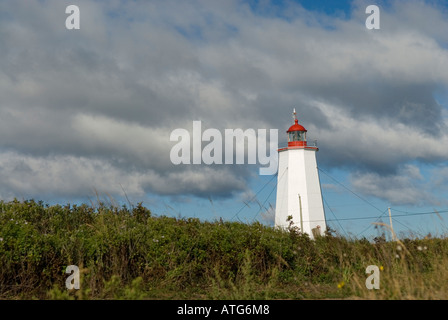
(298, 187)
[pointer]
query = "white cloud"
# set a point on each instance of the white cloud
(30, 176)
(376, 142)
(406, 187)
(147, 146)
(55, 175)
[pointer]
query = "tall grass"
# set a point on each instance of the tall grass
(127, 253)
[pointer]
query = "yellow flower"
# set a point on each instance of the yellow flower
(341, 284)
(381, 268)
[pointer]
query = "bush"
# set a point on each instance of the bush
(131, 254)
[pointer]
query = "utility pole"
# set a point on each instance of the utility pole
(301, 219)
(391, 227)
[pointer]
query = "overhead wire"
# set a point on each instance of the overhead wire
(262, 206)
(376, 218)
(337, 220)
(357, 195)
(370, 225)
(275, 187)
(255, 196)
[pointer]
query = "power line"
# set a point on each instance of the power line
(418, 213)
(399, 222)
(376, 218)
(354, 193)
(262, 206)
(337, 220)
(246, 204)
(395, 216)
(370, 225)
(369, 203)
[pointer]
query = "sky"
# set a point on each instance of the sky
(86, 114)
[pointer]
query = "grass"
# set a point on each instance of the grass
(127, 253)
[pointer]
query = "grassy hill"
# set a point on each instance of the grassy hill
(127, 253)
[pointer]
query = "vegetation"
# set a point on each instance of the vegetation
(127, 253)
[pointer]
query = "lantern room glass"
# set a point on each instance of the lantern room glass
(297, 136)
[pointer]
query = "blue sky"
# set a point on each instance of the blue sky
(328, 7)
(89, 112)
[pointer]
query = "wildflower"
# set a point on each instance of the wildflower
(399, 248)
(341, 284)
(425, 247)
(419, 248)
(1, 239)
(381, 268)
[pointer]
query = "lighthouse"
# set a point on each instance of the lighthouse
(299, 195)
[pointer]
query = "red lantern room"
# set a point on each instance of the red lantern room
(296, 134)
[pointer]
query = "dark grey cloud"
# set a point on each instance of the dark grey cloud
(104, 99)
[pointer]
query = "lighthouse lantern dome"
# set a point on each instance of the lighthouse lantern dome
(296, 133)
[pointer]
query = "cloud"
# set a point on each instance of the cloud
(376, 144)
(407, 187)
(32, 176)
(103, 100)
(65, 176)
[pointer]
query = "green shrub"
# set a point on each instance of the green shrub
(131, 254)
